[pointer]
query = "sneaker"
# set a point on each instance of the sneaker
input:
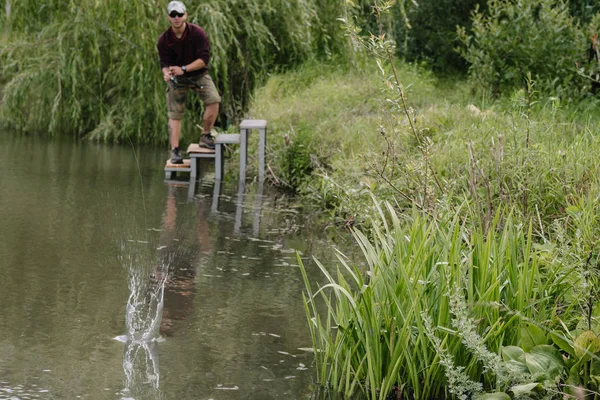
(176, 156)
(207, 141)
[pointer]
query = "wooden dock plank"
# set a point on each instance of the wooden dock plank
(186, 164)
(195, 148)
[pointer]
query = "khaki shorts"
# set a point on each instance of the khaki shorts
(176, 93)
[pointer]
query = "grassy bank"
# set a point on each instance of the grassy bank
(481, 225)
(335, 137)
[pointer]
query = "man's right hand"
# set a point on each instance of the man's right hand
(166, 74)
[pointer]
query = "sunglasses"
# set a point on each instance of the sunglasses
(175, 14)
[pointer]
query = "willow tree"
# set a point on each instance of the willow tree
(89, 68)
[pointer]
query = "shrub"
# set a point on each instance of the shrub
(431, 36)
(515, 38)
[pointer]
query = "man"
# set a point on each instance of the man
(184, 53)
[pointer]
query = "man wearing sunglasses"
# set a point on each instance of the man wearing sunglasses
(184, 53)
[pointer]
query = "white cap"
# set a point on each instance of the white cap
(176, 6)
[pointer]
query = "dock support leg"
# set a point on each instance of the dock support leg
(243, 153)
(261, 154)
(219, 164)
(168, 175)
(194, 166)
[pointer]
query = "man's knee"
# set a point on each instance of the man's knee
(175, 115)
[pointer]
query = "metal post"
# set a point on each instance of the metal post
(243, 153)
(194, 165)
(219, 162)
(262, 143)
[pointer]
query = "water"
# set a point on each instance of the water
(116, 285)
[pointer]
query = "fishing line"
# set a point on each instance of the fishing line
(141, 182)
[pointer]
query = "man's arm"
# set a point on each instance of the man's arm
(194, 66)
(163, 57)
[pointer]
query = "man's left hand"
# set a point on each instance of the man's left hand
(176, 71)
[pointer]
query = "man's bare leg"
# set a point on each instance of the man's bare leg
(210, 116)
(174, 132)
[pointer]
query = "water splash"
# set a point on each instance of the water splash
(143, 315)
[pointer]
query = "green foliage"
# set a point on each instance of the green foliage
(297, 160)
(431, 32)
(516, 38)
(584, 10)
(438, 302)
(90, 68)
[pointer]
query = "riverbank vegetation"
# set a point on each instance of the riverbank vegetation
(480, 219)
(474, 198)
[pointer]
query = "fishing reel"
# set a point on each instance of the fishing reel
(173, 80)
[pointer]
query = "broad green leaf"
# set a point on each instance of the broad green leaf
(494, 396)
(519, 390)
(513, 353)
(562, 343)
(531, 336)
(574, 377)
(545, 362)
(595, 366)
(586, 344)
(573, 380)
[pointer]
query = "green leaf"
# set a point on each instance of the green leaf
(545, 362)
(515, 356)
(513, 353)
(586, 344)
(559, 340)
(531, 336)
(494, 396)
(519, 390)
(573, 210)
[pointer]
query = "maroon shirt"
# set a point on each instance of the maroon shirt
(192, 45)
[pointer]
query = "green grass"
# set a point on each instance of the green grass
(546, 155)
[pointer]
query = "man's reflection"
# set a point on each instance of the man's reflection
(180, 288)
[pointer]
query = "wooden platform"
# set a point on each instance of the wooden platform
(195, 148)
(169, 164)
(195, 152)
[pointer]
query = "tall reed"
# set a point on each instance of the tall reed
(436, 294)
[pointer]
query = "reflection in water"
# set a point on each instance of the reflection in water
(239, 209)
(232, 308)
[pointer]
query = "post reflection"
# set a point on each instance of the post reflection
(239, 208)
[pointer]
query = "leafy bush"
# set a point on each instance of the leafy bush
(519, 37)
(431, 36)
(297, 160)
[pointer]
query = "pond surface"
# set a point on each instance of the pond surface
(117, 285)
